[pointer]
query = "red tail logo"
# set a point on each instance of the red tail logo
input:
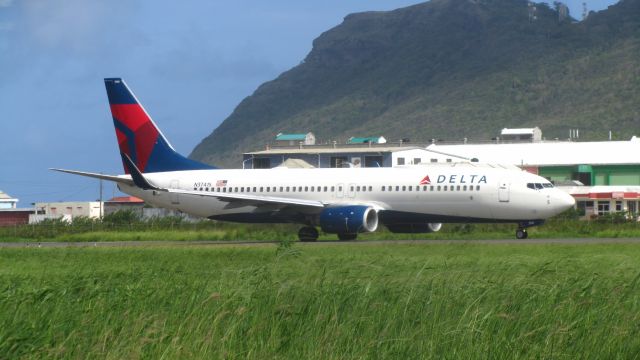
(425, 181)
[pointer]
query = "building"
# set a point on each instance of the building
(295, 139)
(7, 202)
(15, 216)
(367, 140)
(67, 210)
(351, 155)
(121, 203)
(527, 134)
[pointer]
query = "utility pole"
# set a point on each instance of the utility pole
(101, 198)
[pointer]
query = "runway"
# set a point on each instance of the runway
(160, 243)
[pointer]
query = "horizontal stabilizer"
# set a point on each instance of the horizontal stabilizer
(118, 179)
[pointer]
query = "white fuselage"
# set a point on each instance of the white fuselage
(458, 192)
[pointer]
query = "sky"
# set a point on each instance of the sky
(190, 63)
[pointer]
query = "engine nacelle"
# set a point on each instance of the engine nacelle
(414, 228)
(349, 219)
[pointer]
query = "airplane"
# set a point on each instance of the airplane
(342, 201)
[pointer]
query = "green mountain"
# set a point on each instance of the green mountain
(449, 69)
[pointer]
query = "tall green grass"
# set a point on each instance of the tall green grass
(322, 302)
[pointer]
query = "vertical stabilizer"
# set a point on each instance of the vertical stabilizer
(139, 137)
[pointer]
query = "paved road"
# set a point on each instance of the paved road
(46, 244)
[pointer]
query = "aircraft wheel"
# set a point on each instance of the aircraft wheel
(521, 234)
(347, 236)
(308, 233)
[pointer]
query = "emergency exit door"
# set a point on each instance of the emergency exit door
(503, 191)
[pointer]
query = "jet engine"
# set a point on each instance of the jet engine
(349, 219)
(414, 228)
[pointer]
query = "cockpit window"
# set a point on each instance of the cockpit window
(538, 186)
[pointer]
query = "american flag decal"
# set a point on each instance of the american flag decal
(221, 183)
(425, 181)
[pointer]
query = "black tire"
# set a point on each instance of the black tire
(347, 236)
(308, 233)
(521, 234)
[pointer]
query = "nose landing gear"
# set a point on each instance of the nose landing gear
(308, 233)
(521, 233)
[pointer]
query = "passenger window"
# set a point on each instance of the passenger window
(444, 188)
(325, 189)
(299, 188)
(370, 188)
(358, 188)
(339, 188)
(477, 187)
(333, 188)
(351, 188)
(431, 188)
(312, 188)
(404, 188)
(410, 188)
(397, 188)
(242, 189)
(261, 189)
(464, 188)
(254, 189)
(382, 188)
(218, 190)
(306, 189)
(281, 188)
(439, 187)
(424, 188)
(224, 190)
(294, 189)
(458, 187)
(268, 189)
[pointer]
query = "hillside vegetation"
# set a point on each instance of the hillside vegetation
(449, 69)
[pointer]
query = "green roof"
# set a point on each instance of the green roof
(364, 140)
(286, 137)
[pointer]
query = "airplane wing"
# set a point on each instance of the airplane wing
(247, 199)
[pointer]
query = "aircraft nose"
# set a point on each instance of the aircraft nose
(563, 201)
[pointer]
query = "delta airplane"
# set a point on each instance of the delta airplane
(342, 201)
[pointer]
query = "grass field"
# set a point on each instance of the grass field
(322, 301)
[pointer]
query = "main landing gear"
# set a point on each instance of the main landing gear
(308, 233)
(521, 233)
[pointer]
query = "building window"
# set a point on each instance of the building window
(373, 161)
(338, 161)
(261, 163)
(400, 161)
(603, 207)
(618, 205)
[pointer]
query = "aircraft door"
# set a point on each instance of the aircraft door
(175, 199)
(351, 190)
(503, 191)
